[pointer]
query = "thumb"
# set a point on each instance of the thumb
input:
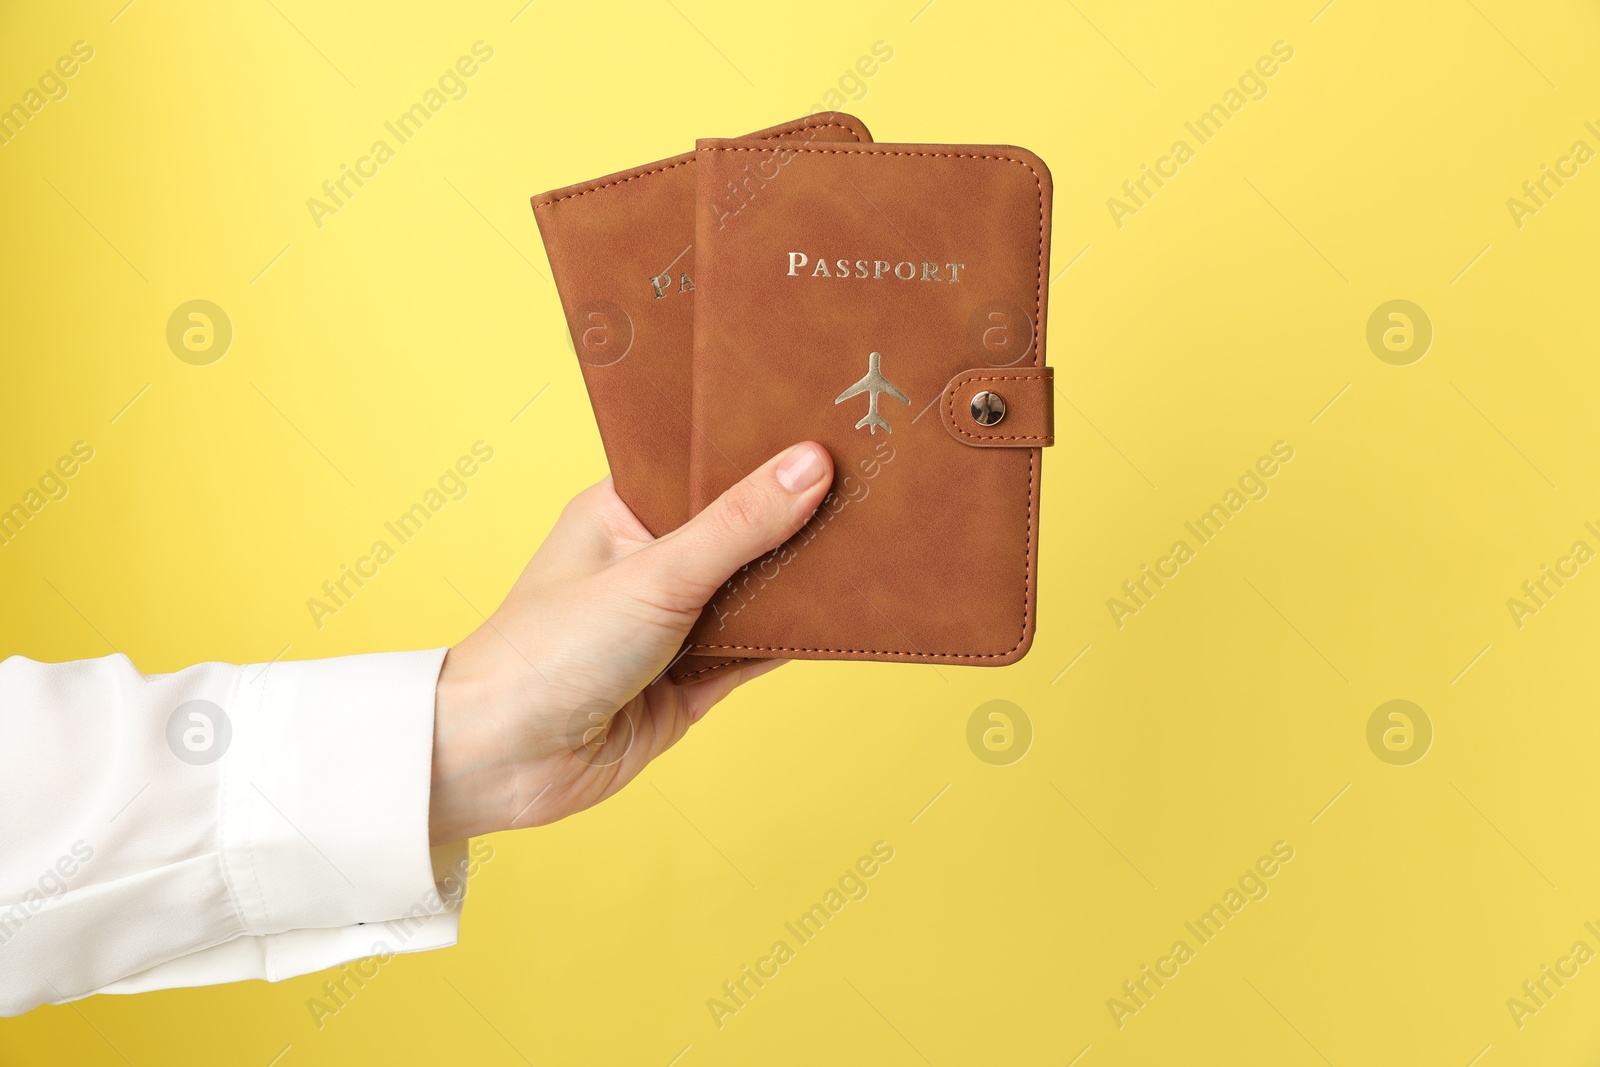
(753, 517)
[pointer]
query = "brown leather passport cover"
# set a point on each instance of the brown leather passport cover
(621, 248)
(862, 296)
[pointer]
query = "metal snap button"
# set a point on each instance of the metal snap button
(988, 408)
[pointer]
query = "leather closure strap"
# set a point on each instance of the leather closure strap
(1028, 396)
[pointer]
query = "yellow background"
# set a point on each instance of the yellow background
(1229, 714)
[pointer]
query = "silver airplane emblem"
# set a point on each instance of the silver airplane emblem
(873, 384)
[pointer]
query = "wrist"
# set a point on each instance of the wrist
(470, 763)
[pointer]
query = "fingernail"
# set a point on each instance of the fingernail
(801, 468)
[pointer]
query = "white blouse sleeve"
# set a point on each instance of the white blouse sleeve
(216, 824)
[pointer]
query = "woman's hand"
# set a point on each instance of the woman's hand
(558, 700)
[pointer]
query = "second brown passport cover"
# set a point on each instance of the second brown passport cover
(621, 249)
(865, 297)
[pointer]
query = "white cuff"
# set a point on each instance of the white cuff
(274, 957)
(324, 809)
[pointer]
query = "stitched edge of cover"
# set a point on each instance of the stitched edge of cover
(674, 162)
(721, 664)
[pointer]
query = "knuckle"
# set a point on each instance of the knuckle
(744, 510)
(581, 504)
